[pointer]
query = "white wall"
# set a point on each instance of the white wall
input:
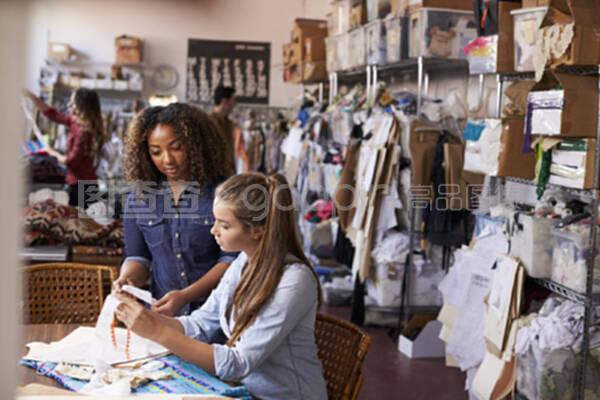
(90, 26)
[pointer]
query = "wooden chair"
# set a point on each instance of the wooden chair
(65, 293)
(342, 348)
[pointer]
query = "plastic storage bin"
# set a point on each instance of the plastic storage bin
(440, 33)
(357, 48)
(331, 56)
(550, 374)
(342, 43)
(531, 242)
(526, 24)
(375, 40)
(339, 19)
(385, 289)
(396, 30)
(569, 255)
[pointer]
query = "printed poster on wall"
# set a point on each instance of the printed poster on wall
(241, 65)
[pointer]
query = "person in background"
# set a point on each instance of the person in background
(224, 98)
(174, 159)
(84, 142)
(266, 304)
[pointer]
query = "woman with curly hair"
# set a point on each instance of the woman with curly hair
(174, 158)
(84, 141)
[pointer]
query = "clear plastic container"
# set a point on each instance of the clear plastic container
(396, 29)
(569, 260)
(440, 33)
(375, 40)
(342, 43)
(357, 48)
(341, 17)
(331, 56)
(526, 23)
(550, 374)
(531, 242)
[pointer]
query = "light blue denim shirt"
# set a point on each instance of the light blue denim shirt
(275, 357)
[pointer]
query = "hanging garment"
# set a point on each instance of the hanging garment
(444, 225)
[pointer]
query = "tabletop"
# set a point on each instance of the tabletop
(40, 333)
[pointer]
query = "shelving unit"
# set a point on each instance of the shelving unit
(372, 75)
(589, 299)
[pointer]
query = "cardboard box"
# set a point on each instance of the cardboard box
(511, 160)
(308, 28)
(377, 9)
(314, 49)
(427, 344)
(574, 111)
(314, 71)
(440, 33)
(128, 50)
(535, 3)
(577, 160)
(293, 73)
(292, 53)
(59, 51)
(585, 45)
(465, 5)
(358, 13)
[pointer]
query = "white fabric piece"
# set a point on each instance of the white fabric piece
(100, 213)
(58, 196)
(481, 156)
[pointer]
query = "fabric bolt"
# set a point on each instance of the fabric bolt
(174, 241)
(64, 224)
(276, 357)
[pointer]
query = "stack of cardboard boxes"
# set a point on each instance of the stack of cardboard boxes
(304, 56)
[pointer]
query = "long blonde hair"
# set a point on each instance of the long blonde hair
(260, 200)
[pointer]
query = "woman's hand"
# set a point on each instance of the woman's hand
(36, 100)
(137, 318)
(170, 303)
(119, 282)
(62, 159)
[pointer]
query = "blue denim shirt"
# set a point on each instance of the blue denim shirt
(276, 357)
(173, 241)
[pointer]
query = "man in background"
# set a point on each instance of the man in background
(224, 98)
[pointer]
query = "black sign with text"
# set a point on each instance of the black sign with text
(241, 65)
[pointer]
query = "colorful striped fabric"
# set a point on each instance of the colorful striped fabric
(187, 379)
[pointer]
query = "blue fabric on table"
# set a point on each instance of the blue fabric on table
(187, 379)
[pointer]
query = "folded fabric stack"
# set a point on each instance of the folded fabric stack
(63, 224)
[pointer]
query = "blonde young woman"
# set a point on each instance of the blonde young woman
(266, 303)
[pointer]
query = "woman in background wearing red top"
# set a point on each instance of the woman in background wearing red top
(84, 142)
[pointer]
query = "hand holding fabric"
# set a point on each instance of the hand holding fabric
(170, 303)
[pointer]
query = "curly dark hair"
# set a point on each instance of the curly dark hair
(200, 137)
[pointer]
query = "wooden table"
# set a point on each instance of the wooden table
(40, 333)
